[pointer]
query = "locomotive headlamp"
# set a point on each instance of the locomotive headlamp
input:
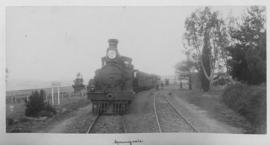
(111, 54)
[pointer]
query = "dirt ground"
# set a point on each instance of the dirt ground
(74, 123)
(141, 118)
(207, 114)
(203, 110)
(211, 111)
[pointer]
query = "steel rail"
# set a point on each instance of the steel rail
(182, 116)
(155, 110)
(92, 124)
(123, 121)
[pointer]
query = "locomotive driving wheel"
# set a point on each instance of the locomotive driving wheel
(94, 108)
(119, 108)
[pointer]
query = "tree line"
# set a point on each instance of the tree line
(235, 47)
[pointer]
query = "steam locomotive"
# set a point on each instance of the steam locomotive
(115, 83)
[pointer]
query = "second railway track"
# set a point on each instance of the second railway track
(182, 116)
(156, 114)
(179, 114)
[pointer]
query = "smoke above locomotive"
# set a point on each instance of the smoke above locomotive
(114, 85)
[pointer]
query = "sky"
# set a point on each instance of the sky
(55, 43)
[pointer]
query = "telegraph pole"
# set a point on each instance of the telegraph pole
(56, 85)
(52, 97)
(58, 94)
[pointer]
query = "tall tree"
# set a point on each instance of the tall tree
(247, 61)
(205, 39)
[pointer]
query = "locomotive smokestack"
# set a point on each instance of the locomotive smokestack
(113, 43)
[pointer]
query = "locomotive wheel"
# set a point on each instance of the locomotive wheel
(124, 108)
(121, 109)
(99, 108)
(94, 106)
(115, 108)
(97, 111)
(102, 108)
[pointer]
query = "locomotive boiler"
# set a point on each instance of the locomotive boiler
(111, 90)
(115, 83)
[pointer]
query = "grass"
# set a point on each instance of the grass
(23, 124)
(250, 102)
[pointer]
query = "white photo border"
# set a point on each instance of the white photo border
(108, 139)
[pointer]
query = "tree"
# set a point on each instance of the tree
(35, 104)
(205, 39)
(247, 54)
(205, 70)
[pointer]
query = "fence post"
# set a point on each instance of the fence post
(52, 97)
(58, 92)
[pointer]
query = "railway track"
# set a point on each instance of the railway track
(182, 116)
(194, 129)
(101, 124)
(156, 114)
(92, 124)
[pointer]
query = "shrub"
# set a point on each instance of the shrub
(36, 104)
(9, 121)
(249, 101)
(48, 111)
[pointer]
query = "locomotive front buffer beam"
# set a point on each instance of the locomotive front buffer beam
(110, 103)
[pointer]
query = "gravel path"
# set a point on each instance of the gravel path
(77, 123)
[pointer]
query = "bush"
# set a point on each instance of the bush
(249, 101)
(9, 121)
(48, 111)
(36, 104)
